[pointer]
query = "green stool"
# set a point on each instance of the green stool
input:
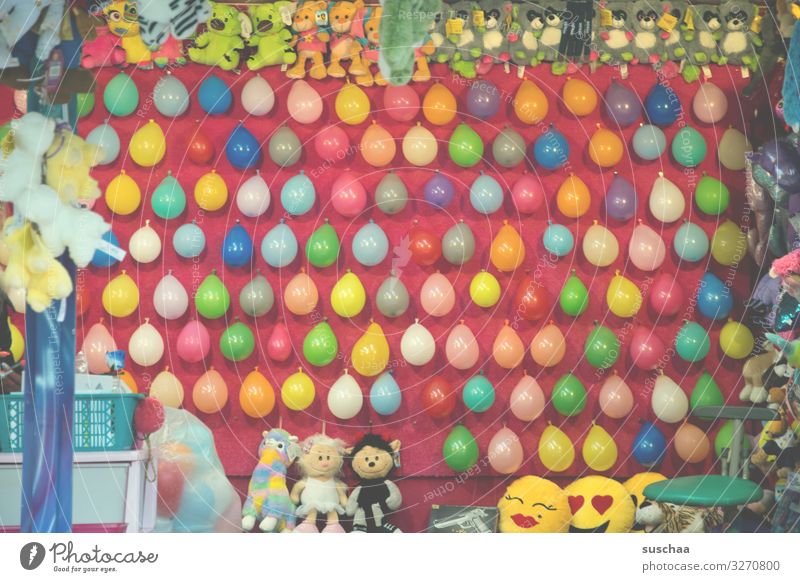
(705, 491)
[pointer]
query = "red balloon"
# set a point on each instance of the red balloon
(332, 143)
(401, 102)
(425, 247)
(170, 486)
(532, 301)
(279, 345)
(201, 149)
(438, 398)
(646, 348)
(527, 194)
(666, 295)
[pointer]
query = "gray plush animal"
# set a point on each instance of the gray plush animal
(646, 34)
(701, 42)
(526, 30)
(738, 43)
(493, 33)
(671, 41)
(463, 38)
(615, 37)
(549, 41)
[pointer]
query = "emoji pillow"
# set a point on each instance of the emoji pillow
(600, 505)
(534, 505)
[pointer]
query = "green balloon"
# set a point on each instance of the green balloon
(724, 439)
(569, 395)
(602, 347)
(121, 96)
(168, 199)
(466, 146)
(212, 298)
(692, 343)
(574, 297)
(712, 196)
(460, 451)
(237, 342)
(84, 104)
(478, 393)
(322, 248)
(320, 345)
(5, 129)
(688, 147)
(706, 392)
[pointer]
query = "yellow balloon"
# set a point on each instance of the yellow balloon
(530, 103)
(348, 296)
(439, 105)
(17, 342)
(555, 449)
(370, 353)
(352, 104)
(148, 145)
(729, 244)
(600, 246)
(508, 249)
(580, 98)
(573, 197)
(605, 148)
(484, 289)
(121, 296)
(623, 296)
(420, 147)
(211, 192)
(123, 195)
(736, 340)
(297, 391)
(167, 389)
(599, 449)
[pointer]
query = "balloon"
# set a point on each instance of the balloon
(256, 395)
(439, 190)
(712, 196)
(420, 146)
(646, 249)
(279, 246)
(148, 146)
(486, 194)
(437, 296)
(370, 354)
(460, 451)
(168, 200)
(256, 298)
(121, 296)
(601, 348)
(304, 103)
(84, 103)
(385, 396)
(392, 297)
(508, 148)
(599, 449)
(548, 346)
(615, 398)
(370, 245)
(194, 342)
(167, 389)
(530, 103)
(300, 295)
(736, 340)
(438, 398)
(258, 99)
(691, 444)
(401, 102)
(285, 148)
(649, 142)
(145, 244)
(466, 146)
(253, 196)
(533, 300)
(417, 344)
(573, 198)
(574, 297)
(706, 392)
(551, 150)
(691, 242)
(211, 192)
(649, 446)
(237, 342)
(666, 200)
(348, 296)
(505, 452)
(377, 146)
(508, 249)
(714, 298)
(123, 195)
(201, 148)
(462, 348)
(332, 143)
(709, 103)
(600, 246)
(623, 296)
(242, 148)
(557, 239)
(579, 97)
(622, 104)
(483, 99)
(646, 348)
(189, 240)
(146, 346)
(508, 349)
(555, 449)
(298, 194)
(569, 395)
(391, 194)
(212, 298)
(662, 105)
(732, 149)
(214, 96)
(527, 399)
(297, 391)
(528, 194)
(322, 247)
(348, 196)
(279, 344)
(170, 298)
(121, 97)
(605, 148)
(666, 295)
(484, 289)
(620, 201)
(439, 105)
(352, 104)
(692, 343)
(210, 392)
(688, 147)
(729, 244)
(777, 158)
(344, 398)
(425, 247)
(669, 402)
(237, 247)
(101, 258)
(106, 138)
(96, 344)
(458, 244)
(320, 345)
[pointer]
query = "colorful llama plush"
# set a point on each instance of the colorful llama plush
(267, 495)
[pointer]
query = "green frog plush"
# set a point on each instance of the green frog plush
(221, 43)
(271, 37)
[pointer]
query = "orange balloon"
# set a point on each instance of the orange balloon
(580, 98)
(548, 346)
(210, 393)
(129, 380)
(691, 443)
(605, 148)
(573, 197)
(508, 349)
(256, 396)
(530, 103)
(378, 146)
(508, 249)
(301, 295)
(439, 105)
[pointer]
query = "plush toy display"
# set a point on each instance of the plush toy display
(534, 505)
(343, 16)
(122, 17)
(615, 34)
(367, 32)
(376, 496)
(320, 493)
(600, 505)
(104, 51)
(550, 40)
(222, 42)
(672, 25)
(636, 485)
(495, 18)
(739, 41)
(754, 372)
(177, 19)
(271, 39)
(17, 17)
(462, 38)
(311, 35)
(67, 165)
(671, 518)
(437, 31)
(645, 29)
(405, 28)
(526, 28)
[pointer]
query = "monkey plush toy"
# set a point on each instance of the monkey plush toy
(373, 459)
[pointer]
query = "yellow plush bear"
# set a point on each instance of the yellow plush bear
(68, 162)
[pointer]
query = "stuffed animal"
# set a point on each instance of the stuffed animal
(493, 33)
(373, 459)
(344, 46)
(177, 19)
(268, 495)
(320, 493)
(615, 36)
(671, 518)
(271, 39)
(406, 28)
(599, 505)
(104, 51)
(367, 32)
(437, 31)
(122, 17)
(701, 44)
(311, 36)
(550, 40)
(754, 373)
(21, 176)
(17, 17)
(526, 29)
(222, 42)
(462, 38)
(534, 505)
(645, 33)
(739, 42)
(672, 25)
(67, 165)
(420, 70)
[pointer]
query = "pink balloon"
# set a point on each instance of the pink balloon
(527, 399)
(401, 102)
(462, 347)
(279, 345)
(305, 104)
(646, 348)
(348, 196)
(170, 298)
(646, 249)
(194, 342)
(332, 143)
(709, 104)
(505, 451)
(437, 295)
(666, 295)
(96, 344)
(527, 194)
(616, 398)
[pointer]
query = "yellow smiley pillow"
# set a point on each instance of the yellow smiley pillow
(534, 505)
(600, 505)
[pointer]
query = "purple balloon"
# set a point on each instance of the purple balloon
(483, 99)
(622, 104)
(781, 161)
(439, 190)
(621, 199)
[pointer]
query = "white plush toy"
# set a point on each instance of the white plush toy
(18, 16)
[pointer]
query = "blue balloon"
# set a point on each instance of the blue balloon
(189, 240)
(649, 142)
(385, 396)
(714, 298)
(242, 148)
(558, 239)
(662, 105)
(215, 96)
(439, 190)
(551, 149)
(649, 445)
(237, 248)
(103, 259)
(486, 194)
(691, 242)
(370, 245)
(298, 194)
(279, 247)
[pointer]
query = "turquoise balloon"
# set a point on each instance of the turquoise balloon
(106, 138)
(649, 142)
(558, 239)
(385, 396)
(298, 194)
(478, 394)
(688, 147)
(692, 342)
(279, 247)
(121, 97)
(189, 240)
(486, 194)
(370, 245)
(168, 199)
(691, 242)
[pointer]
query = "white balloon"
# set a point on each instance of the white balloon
(146, 346)
(420, 147)
(258, 98)
(417, 344)
(145, 244)
(106, 138)
(170, 297)
(461, 347)
(304, 103)
(345, 398)
(666, 200)
(669, 401)
(253, 196)
(646, 249)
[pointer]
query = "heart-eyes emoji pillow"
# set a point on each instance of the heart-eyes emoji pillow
(599, 505)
